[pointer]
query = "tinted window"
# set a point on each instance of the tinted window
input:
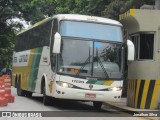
(34, 38)
(91, 30)
(144, 45)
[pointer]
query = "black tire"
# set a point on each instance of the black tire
(46, 99)
(97, 105)
(15, 82)
(20, 92)
(28, 94)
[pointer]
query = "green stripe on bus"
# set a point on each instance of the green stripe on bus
(91, 82)
(99, 82)
(34, 69)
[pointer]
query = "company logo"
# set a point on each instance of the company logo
(6, 114)
(21, 114)
(90, 86)
(23, 58)
(45, 59)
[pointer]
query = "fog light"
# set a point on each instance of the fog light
(58, 91)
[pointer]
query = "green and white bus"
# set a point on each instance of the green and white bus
(69, 56)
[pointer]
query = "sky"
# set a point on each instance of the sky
(17, 20)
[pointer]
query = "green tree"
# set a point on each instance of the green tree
(6, 32)
(96, 7)
(113, 9)
(30, 10)
(36, 10)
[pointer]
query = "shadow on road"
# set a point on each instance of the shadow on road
(70, 105)
(65, 104)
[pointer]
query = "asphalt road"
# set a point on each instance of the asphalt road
(60, 110)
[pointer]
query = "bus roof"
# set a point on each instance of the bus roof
(36, 24)
(75, 17)
(86, 18)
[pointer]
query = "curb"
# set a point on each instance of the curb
(132, 112)
(121, 108)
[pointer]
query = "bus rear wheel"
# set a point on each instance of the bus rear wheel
(97, 105)
(20, 92)
(28, 94)
(46, 99)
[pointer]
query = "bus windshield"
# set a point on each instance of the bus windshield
(91, 30)
(90, 50)
(91, 59)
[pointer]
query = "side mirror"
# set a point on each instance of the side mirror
(131, 51)
(57, 43)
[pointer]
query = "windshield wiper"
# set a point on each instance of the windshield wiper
(100, 62)
(102, 66)
(84, 64)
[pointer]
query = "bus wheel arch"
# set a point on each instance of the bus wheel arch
(17, 78)
(15, 82)
(46, 99)
(42, 84)
(97, 105)
(20, 92)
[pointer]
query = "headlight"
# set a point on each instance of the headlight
(63, 84)
(115, 88)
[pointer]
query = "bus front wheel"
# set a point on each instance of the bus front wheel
(97, 105)
(46, 99)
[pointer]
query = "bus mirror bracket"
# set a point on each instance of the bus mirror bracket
(131, 50)
(57, 43)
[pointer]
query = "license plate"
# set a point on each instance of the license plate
(87, 95)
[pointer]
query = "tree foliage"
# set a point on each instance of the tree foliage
(35, 10)
(7, 11)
